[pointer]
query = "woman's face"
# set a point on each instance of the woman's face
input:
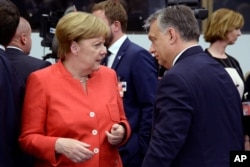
(232, 36)
(90, 52)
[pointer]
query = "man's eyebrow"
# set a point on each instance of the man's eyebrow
(151, 37)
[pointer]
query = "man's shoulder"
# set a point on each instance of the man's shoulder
(136, 46)
(134, 50)
(35, 59)
(30, 60)
(16, 54)
(2, 52)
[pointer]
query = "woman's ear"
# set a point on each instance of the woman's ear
(74, 47)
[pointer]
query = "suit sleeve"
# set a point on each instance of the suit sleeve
(172, 120)
(145, 81)
(123, 119)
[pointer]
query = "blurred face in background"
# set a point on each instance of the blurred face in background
(232, 36)
(101, 14)
(224, 25)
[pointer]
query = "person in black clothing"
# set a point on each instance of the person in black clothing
(11, 90)
(223, 29)
(18, 51)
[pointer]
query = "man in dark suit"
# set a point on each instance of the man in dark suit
(137, 73)
(198, 115)
(18, 51)
(11, 90)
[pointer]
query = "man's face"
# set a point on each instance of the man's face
(101, 14)
(160, 46)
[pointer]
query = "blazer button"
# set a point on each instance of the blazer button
(96, 150)
(91, 114)
(94, 132)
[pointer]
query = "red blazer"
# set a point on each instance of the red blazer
(56, 105)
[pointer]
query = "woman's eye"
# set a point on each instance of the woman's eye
(97, 45)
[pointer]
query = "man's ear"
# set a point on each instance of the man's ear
(172, 34)
(23, 38)
(74, 47)
(116, 26)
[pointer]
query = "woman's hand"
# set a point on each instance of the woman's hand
(73, 149)
(116, 134)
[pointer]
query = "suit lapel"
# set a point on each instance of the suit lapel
(120, 54)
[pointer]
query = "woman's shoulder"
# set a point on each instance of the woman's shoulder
(45, 73)
(106, 70)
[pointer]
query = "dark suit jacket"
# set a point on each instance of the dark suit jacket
(11, 95)
(136, 66)
(198, 115)
(23, 63)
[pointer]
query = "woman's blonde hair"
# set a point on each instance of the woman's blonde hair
(75, 26)
(220, 23)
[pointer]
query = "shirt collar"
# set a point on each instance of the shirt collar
(14, 47)
(2, 47)
(115, 46)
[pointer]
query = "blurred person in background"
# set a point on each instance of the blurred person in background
(11, 90)
(222, 30)
(18, 51)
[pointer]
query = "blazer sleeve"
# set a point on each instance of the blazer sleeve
(33, 121)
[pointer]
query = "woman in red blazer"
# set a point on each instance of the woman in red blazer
(73, 114)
